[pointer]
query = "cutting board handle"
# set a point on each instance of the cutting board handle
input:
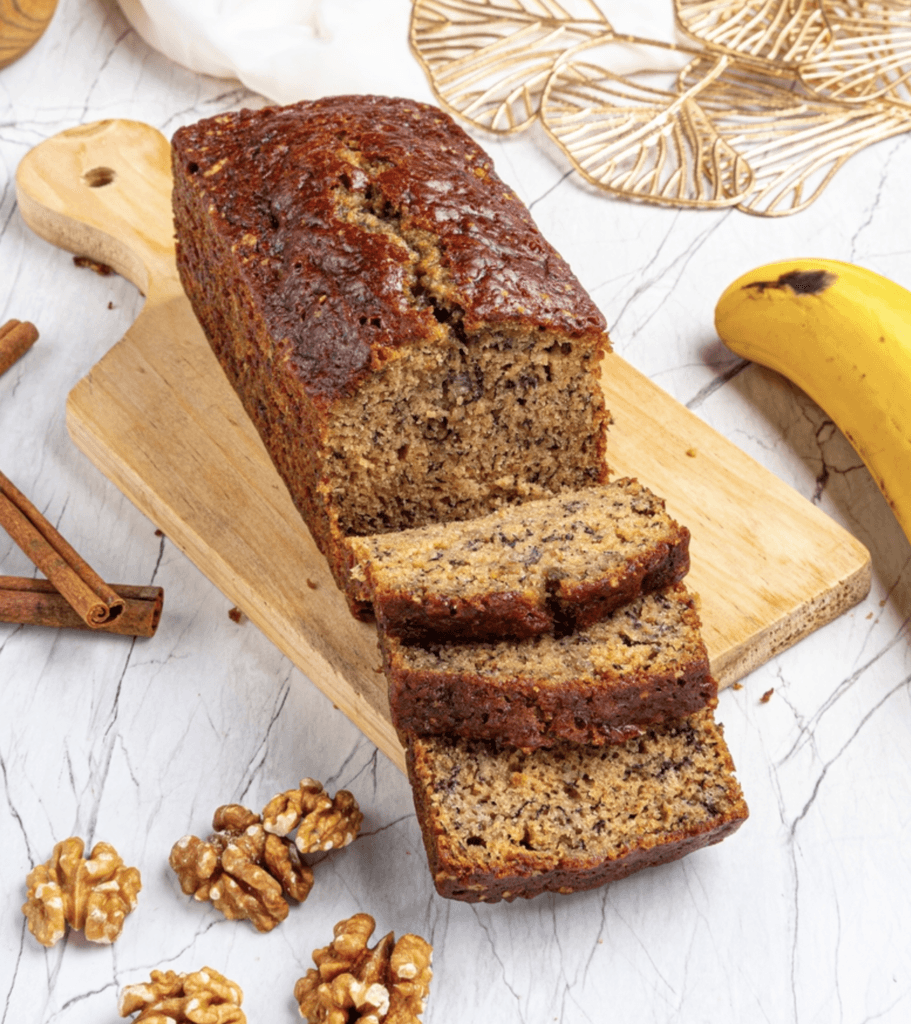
(103, 190)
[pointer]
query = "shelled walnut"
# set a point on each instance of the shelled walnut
(93, 896)
(203, 997)
(250, 866)
(352, 982)
(322, 823)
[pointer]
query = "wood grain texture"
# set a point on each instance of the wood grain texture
(158, 417)
(22, 23)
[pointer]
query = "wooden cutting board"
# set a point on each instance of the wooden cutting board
(158, 417)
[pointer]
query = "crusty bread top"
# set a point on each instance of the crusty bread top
(364, 222)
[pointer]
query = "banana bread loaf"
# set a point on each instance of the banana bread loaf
(645, 663)
(555, 564)
(409, 347)
(498, 823)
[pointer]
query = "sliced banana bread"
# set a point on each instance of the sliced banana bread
(407, 344)
(645, 663)
(553, 564)
(499, 823)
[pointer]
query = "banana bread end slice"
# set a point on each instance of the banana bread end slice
(499, 824)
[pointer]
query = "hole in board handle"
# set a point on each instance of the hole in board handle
(98, 177)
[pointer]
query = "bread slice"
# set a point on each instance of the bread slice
(645, 663)
(555, 564)
(499, 824)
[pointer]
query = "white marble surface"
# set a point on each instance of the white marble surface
(802, 916)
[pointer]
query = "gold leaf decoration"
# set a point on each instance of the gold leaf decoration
(631, 136)
(794, 143)
(488, 62)
(870, 55)
(780, 32)
(759, 113)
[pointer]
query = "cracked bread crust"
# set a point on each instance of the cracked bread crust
(408, 345)
(556, 564)
(647, 663)
(500, 824)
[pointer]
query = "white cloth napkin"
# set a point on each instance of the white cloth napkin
(288, 50)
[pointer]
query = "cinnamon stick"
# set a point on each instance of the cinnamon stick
(16, 338)
(34, 602)
(92, 599)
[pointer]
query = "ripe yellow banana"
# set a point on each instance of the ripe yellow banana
(843, 335)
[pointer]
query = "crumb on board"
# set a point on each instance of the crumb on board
(311, 584)
(691, 452)
(100, 268)
(764, 699)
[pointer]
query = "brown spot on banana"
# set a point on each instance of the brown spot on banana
(801, 282)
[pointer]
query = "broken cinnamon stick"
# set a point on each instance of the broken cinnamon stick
(87, 593)
(16, 338)
(34, 602)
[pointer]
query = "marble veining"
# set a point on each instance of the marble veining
(802, 916)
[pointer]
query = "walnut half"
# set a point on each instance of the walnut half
(203, 997)
(322, 822)
(93, 895)
(250, 866)
(246, 873)
(352, 982)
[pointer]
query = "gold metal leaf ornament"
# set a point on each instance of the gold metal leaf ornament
(870, 55)
(794, 143)
(780, 32)
(628, 134)
(758, 110)
(488, 63)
